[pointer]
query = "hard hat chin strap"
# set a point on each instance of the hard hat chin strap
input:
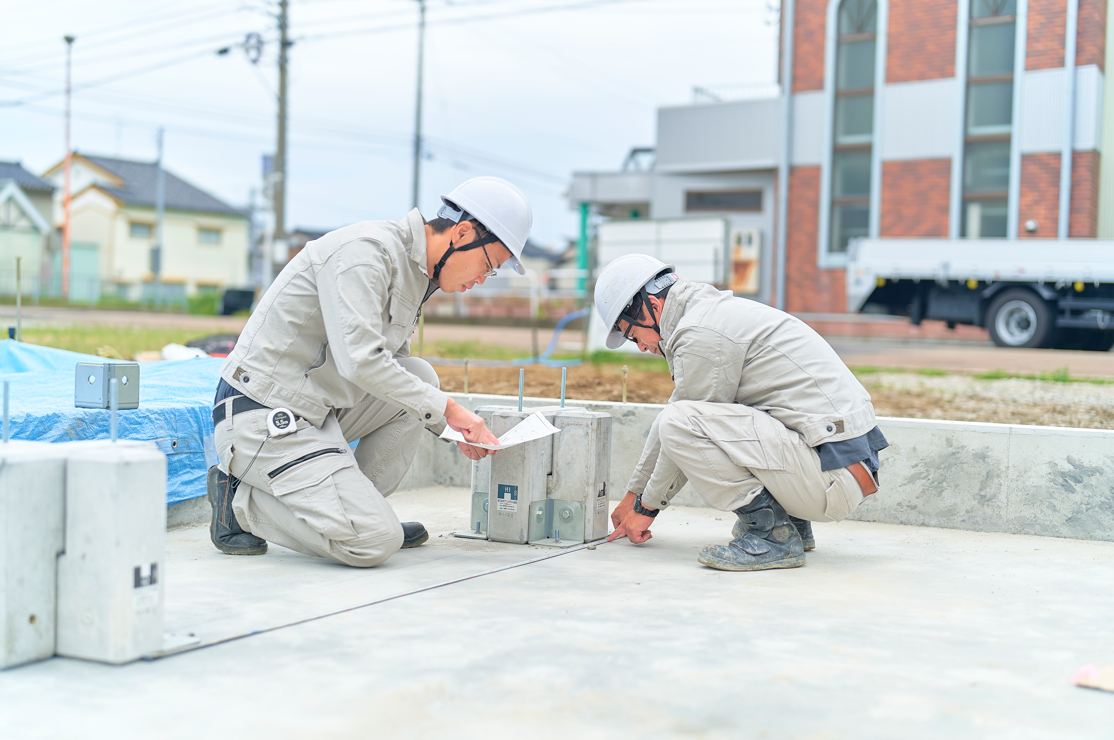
(480, 242)
(640, 301)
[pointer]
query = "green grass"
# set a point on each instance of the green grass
(476, 351)
(1059, 375)
(125, 341)
(869, 370)
(932, 372)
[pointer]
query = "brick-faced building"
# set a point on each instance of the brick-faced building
(905, 119)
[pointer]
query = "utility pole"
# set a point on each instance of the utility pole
(280, 150)
(418, 107)
(66, 192)
(160, 205)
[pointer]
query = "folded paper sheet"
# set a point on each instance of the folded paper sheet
(532, 427)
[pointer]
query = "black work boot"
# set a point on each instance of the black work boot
(803, 527)
(769, 540)
(413, 534)
(224, 530)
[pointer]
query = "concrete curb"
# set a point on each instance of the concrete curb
(1008, 478)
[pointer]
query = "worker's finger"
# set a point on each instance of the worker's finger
(620, 531)
(639, 537)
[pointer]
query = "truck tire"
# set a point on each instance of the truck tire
(1021, 319)
(1088, 340)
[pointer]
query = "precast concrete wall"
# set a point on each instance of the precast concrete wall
(982, 477)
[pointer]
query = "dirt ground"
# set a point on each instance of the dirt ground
(586, 382)
(954, 397)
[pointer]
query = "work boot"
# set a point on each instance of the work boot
(413, 534)
(225, 532)
(803, 527)
(768, 540)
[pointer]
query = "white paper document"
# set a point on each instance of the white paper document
(532, 427)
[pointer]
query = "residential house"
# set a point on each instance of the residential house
(113, 232)
(25, 214)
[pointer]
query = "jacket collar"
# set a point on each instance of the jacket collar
(674, 307)
(416, 224)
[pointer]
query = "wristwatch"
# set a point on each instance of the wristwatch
(640, 509)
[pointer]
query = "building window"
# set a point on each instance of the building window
(140, 231)
(208, 236)
(988, 125)
(854, 122)
(723, 200)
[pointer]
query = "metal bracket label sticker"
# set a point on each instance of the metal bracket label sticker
(601, 500)
(507, 499)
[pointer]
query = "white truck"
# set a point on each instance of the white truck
(1027, 293)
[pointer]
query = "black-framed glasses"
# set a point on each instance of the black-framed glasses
(490, 269)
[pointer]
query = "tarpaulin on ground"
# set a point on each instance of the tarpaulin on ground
(175, 406)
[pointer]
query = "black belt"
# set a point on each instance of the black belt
(239, 404)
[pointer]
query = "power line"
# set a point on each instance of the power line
(468, 19)
(134, 30)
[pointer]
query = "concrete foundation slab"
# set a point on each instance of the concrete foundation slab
(888, 631)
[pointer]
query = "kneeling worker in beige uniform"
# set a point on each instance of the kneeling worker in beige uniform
(324, 361)
(765, 420)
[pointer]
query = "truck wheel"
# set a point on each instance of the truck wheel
(1019, 318)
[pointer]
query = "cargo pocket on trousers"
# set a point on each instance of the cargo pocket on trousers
(752, 440)
(305, 484)
(843, 495)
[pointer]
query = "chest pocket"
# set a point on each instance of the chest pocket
(402, 320)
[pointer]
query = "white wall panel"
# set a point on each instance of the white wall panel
(720, 136)
(1042, 117)
(1089, 83)
(1042, 111)
(920, 120)
(808, 128)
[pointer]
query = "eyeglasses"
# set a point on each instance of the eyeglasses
(490, 269)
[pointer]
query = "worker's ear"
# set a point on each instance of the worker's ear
(463, 229)
(657, 303)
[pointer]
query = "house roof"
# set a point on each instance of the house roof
(23, 178)
(139, 187)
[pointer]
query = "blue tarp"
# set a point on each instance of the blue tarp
(175, 403)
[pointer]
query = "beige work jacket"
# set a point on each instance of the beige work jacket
(725, 349)
(327, 332)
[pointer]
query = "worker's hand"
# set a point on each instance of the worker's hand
(636, 528)
(625, 507)
(473, 429)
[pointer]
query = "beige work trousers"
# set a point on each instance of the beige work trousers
(310, 492)
(730, 452)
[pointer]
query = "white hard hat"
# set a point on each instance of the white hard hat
(497, 204)
(617, 286)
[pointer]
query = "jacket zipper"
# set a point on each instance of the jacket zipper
(304, 458)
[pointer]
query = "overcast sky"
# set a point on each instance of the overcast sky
(529, 90)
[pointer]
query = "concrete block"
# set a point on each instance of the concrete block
(942, 473)
(111, 576)
(32, 486)
(581, 466)
(518, 478)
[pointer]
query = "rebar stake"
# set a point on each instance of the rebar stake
(18, 301)
(563, 370)
(6, 383)
(624, 383)
(466, 376)
(114, 405)
(521, 383)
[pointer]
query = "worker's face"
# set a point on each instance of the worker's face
(645, 337)
(465, 270)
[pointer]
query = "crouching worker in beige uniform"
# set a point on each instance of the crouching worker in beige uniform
(324, 361)
(766, 421)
